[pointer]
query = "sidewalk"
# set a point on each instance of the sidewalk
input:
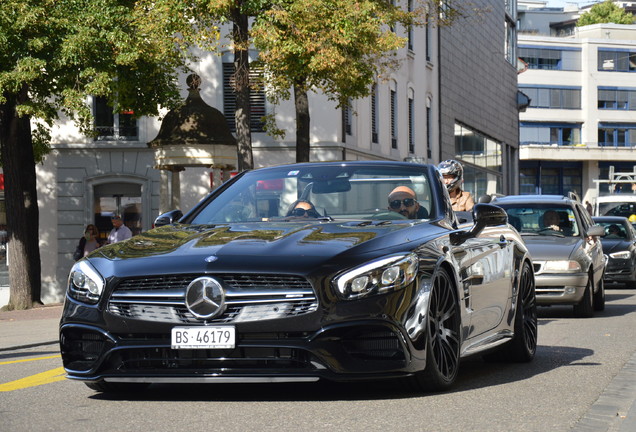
(31, 327)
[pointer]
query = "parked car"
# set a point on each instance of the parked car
(565, 247)
(619, 244)
(248, 288)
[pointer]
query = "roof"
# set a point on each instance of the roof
(539, 199)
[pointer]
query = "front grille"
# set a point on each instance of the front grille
(207, 361)
(248, 298)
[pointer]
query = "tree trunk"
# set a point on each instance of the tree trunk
(21, 202)
(301, 102)
(242, 89)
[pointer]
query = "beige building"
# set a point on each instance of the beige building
(409, 115)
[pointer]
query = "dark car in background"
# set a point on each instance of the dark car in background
(567, 253)
(242, 289)
(619, 244)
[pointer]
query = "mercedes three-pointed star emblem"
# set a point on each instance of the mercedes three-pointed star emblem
(205, 297)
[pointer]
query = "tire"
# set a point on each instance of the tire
(109, 387)
(599, 297)
(443, 337)
(585, 307)
(523, 346)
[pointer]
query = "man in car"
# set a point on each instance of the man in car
(403, 200)
(551, 220)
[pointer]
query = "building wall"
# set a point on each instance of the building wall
(78, 166)
(587, 152)
(478, 86)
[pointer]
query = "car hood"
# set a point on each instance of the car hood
(543, 248)
(614, 245)
(267, 246)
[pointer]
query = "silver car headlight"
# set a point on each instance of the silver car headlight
(562, 266)
(621, 255)
(376, 277)
(85, 284)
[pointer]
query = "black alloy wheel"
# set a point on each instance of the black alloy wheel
(443, 336)
(524, 345)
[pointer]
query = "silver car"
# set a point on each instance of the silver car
(565, 247)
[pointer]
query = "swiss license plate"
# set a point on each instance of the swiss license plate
(220, 337)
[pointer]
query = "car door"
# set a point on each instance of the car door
(487, 278)
(593, 245)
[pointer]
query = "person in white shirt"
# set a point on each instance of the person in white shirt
(120, 231)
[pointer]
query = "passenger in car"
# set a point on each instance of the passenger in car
(303, 208)
(403, 200)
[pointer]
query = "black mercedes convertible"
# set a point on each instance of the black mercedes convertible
(337, 271)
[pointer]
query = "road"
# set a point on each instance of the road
(582, 379)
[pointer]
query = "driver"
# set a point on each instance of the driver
(551, 220)
(402, 200)
(303, 208)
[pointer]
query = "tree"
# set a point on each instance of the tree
(336, 46)
(605, 12)
(54, 54)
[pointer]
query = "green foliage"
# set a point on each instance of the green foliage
(67, 50)
(605, 12)
(337, 46)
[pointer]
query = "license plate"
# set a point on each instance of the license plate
(203, 337)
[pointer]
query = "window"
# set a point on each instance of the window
(111, 126)
(616, 60)
(553, 97)
(429, 130)
(257, 99)
(429, 35)
(394, 127)
(551, 58)
(510, 47)
(616, 135)
(614, 98)
(411, 125)
(481, 158)
(348, 117)
(549, 133)
(550, 178)
(374, 114)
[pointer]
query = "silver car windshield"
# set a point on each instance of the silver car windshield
(544, 220)
(331, 192)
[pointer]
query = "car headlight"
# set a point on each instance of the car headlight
(621, 255)
(85, 283)
(562, 266)
(383, 275)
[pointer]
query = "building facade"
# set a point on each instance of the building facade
(582, 115)
(416, 113)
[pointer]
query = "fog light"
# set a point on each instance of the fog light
(570, 290)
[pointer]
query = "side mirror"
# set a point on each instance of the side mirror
(168, 218)
(596, 231)
(484, 215)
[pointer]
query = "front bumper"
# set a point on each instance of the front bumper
(555, 289)
(619, 271)
(344, 352)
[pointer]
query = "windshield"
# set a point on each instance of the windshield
(625, 209)
(543, 220)
(614, 230)
(328, 192)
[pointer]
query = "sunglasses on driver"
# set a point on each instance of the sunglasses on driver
(396, 204)
(301, 212)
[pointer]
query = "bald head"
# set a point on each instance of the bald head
(403, 200)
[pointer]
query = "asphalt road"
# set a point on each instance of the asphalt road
(582, 379)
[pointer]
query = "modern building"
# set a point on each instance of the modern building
(453, 95)
(582, 116)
